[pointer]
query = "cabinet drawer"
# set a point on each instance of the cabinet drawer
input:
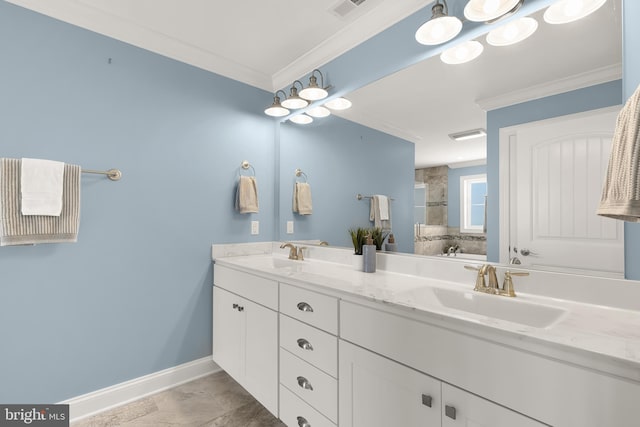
(254, 288)
(310, 384)
(310, 307)
(313, 345)
(294, 412)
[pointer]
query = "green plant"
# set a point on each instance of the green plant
(358, 238)
(378, 237)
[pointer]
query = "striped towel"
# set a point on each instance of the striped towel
(18, 229)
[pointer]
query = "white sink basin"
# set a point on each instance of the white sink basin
(509, 309)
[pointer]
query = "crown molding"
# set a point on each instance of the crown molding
(577, 81)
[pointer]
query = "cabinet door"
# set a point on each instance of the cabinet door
(227, 332)
(261, 354)
(462, 409)
(377, 392)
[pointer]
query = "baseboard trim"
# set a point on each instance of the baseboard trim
(101, 400)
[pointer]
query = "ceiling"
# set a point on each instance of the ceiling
(270, 44)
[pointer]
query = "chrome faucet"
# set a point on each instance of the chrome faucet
(294, 253)
(453, 250)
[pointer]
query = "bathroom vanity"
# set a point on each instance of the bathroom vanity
(321, 344)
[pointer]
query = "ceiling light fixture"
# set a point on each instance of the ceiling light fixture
(461, 53)
(294, 101)
(301, 119)
(313, 92)
(566, 11)
(440, 28)
(318, 112)
(338, 104)
(513, 32)
(468, 134)
(276, 109)
(490, 11)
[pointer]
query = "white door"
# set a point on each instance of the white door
(462, 409)
(557, 170)
(377, 392)
(227, 329)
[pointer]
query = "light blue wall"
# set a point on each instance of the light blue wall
(590, 98)
(133, 296)
(342, 159)
(631, 78)
(453, 194)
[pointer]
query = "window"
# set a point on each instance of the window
(473, 193)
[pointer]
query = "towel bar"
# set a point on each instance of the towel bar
(360, 197)
(112, 174)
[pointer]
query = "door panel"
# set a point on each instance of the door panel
(560, 166)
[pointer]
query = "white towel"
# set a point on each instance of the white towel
(621, 189)
(376, 212)
(41, 183)
(247, 195)
(18, 229)
(302, 203)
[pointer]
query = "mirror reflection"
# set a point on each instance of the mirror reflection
(430, 101)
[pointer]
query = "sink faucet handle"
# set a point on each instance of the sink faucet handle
(300, 254)
(507, 286)
(481, 286)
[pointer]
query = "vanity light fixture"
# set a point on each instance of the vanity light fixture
(313, 92)
(461, 53)
(490, 11)
(301, 119)
(566, 11)
(318, 111)
(468, 134)
(294, 101)
(440, 28)
(513, 32)
(338, 104)
(276, 109)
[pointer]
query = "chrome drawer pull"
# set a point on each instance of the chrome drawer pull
(304, 383)
(304, 344)
(303, 306)
(303, 423)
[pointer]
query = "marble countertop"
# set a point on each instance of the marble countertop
(597, 337)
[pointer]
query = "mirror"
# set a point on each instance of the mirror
(425, 103)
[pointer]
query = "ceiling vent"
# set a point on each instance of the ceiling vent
(343, 8)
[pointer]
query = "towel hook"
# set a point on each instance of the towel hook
(299, 173)
(246, 165)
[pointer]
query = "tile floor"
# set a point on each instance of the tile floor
(212, 401)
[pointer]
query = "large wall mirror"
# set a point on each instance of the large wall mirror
(426, 103)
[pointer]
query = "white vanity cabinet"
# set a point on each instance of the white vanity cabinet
(308, 358)
(245, 332)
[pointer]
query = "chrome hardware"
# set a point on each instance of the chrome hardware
(450, 411)
(304, 383)
(235, 305)
(507, 286)
(304, 344)
(427, 400)
(527, 252)
(324, 243)
(303, 306)
(240, 308)
(515, 260)
(302, 422)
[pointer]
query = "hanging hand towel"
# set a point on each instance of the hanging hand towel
(247, 195)
(18, 229)
(621, 191)
(302, 198)
(41, 184)
(380, 208)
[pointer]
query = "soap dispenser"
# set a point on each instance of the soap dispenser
(369, 255)
(391, 245)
